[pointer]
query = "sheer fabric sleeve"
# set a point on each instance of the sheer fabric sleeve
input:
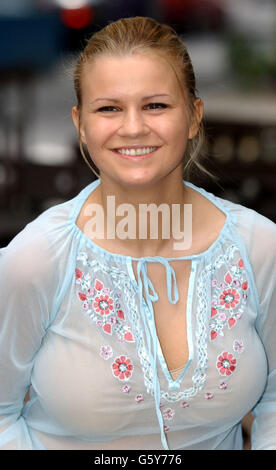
(263, 256)
(27, 283)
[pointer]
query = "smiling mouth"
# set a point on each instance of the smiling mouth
(135, 152)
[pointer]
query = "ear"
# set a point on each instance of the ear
(77, 123)
(196, 119)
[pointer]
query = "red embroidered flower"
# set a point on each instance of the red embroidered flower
(82, 296)
(213, 311)
(103, 304)
(98, 284)
(241, 263)
(229, 298)
(122, 368)
(226, 363)
(78, 273)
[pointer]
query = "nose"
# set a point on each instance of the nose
(133, 124)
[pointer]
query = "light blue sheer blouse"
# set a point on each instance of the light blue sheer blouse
(77, 329)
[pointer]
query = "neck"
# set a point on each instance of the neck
(143, 221)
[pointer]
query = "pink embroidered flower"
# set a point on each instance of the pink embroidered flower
(222, 316)
(229, 298)
(238, 346)
(91, 292)
(126, 389)
(185, 404)
(139, 398)
(113, 320)
(209, 395)
(226, 363)
(168, 413)
(223, 386)
(122, 368)
(106, 352)
(103, 304)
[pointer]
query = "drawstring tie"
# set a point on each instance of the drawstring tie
(151, 336)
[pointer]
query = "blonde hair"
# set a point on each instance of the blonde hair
(141, 35)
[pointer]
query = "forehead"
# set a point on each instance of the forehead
(130, 75)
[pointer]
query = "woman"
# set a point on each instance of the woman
(127, 340)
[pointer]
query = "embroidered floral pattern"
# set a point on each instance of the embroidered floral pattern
(185, 404)
(229, 299)
(122, 368)
(168, 413)
(106, 352)
(238, 346)
(210, 271)
(226, 363)
(209, 395)
(126, 389)
(139, 398)
(103, 306)
(229, 294)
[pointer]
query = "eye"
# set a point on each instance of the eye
(106, 108)
(157, 106)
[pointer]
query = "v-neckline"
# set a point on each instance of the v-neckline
(173, 384)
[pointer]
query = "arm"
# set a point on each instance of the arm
(264, 267)
(25, 283)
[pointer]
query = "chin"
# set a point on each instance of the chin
(132, 179)
(139, 182)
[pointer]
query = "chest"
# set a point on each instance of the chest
(106, 375)
(170, 319)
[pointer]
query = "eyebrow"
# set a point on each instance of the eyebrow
(117, 101)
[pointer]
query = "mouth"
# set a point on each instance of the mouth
(135, 153)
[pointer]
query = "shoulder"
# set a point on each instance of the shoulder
(258, 231)
(33, 254)
(258, 234)
(254, 228)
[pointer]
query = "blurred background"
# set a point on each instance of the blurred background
(232, 44)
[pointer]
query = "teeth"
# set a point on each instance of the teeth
(138, 151)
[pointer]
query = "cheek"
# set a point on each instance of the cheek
(174, 128)
(97, 133)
